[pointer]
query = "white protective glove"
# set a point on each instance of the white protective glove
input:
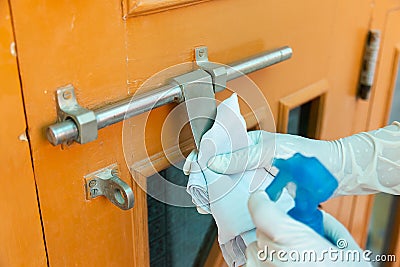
(190, 160)
(283, 241)
(363, 163)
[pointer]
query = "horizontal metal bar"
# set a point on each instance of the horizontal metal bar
(258, 62)
(65, 131)
(130, 107)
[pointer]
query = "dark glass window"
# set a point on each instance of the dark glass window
(178, 236)
(303, 119)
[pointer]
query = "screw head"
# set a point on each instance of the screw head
(201, 52)
(67, 95)
(92, 183)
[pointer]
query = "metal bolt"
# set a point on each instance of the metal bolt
(201, 52)
(92, 183)
(67, 95)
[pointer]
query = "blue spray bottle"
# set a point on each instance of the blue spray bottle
(314, 184)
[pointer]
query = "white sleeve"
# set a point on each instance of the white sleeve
(370, 162)
(364, 163)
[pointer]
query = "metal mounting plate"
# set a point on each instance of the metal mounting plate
(105, 182)
(200, 102)
(85, 119)
(218, 72)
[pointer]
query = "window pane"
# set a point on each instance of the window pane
(178, 236)
(300, 119)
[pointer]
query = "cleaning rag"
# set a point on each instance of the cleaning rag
(226, 196)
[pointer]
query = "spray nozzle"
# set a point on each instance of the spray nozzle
(314, 184)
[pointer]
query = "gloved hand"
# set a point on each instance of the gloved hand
(257, 156)
(267, 146)
(190, 160)
(363, 163)
(295, 243)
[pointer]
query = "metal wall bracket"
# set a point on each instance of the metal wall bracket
(198, 92)
(218, 72)
(69, 109)
(105, 182)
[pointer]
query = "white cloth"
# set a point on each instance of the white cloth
(226, 196)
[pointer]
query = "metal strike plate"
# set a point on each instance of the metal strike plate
(218, 72)
(105, 182)
(84, 119)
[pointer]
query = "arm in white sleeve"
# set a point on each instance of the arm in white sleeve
(371, 162)
(363, 163)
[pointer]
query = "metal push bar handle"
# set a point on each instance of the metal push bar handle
(67, 130)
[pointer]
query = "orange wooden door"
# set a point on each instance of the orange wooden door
(60, 43)
(21, 235)
(107, 49)
(387, 17)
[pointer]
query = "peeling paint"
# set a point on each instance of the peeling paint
(23, 137)
(13, 51)
(73, 23)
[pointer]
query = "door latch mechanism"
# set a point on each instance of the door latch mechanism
(105, 182)
(76, 123)
(68, 108)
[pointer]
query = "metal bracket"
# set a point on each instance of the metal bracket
(105, 182)
(199, 97)
(85, 119)
(218, 72)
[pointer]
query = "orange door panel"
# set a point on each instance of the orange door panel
(387, 68)
(21, 235)
(81, 43)
(108, 49)
(383, 93)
